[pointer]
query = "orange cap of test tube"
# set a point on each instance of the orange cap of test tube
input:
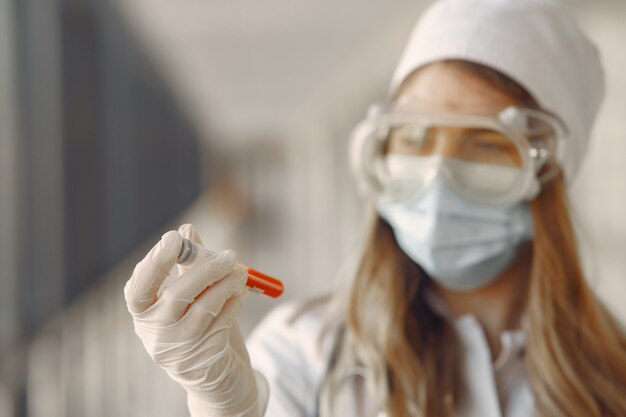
(257, 281)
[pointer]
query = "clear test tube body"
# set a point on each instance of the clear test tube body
(191, 254)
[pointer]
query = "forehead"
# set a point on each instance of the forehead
(451, 88)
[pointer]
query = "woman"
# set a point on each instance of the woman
(468, 298)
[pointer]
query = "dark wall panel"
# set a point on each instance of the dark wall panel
(121, 163)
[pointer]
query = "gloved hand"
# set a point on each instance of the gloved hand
(189, 329)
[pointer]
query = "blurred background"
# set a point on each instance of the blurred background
(122, 119)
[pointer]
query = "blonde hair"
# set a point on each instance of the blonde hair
(575, 348)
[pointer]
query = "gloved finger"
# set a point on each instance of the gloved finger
(188, 231)
(141, 289)
(220, 325)
(211, 303)
(176, 298)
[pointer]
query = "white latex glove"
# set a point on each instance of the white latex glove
(189, 329)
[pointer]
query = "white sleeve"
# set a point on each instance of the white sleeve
(288, 355)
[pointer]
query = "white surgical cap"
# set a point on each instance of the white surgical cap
(534, 42)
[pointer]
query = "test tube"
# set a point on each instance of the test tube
(191, 254)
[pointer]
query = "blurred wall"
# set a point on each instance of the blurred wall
(95, 157)
(104, 157)
(9, 181)
(599, 193)
(9, 191)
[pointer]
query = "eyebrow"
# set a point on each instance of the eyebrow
(479, 130)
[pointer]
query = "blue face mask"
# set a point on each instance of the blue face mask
(460, 244)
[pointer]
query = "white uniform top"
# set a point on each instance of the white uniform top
(288, 354)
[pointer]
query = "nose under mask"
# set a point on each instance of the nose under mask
(460, 244)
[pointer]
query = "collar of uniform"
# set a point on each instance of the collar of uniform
(513, 341)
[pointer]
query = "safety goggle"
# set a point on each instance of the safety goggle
(495, 159)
